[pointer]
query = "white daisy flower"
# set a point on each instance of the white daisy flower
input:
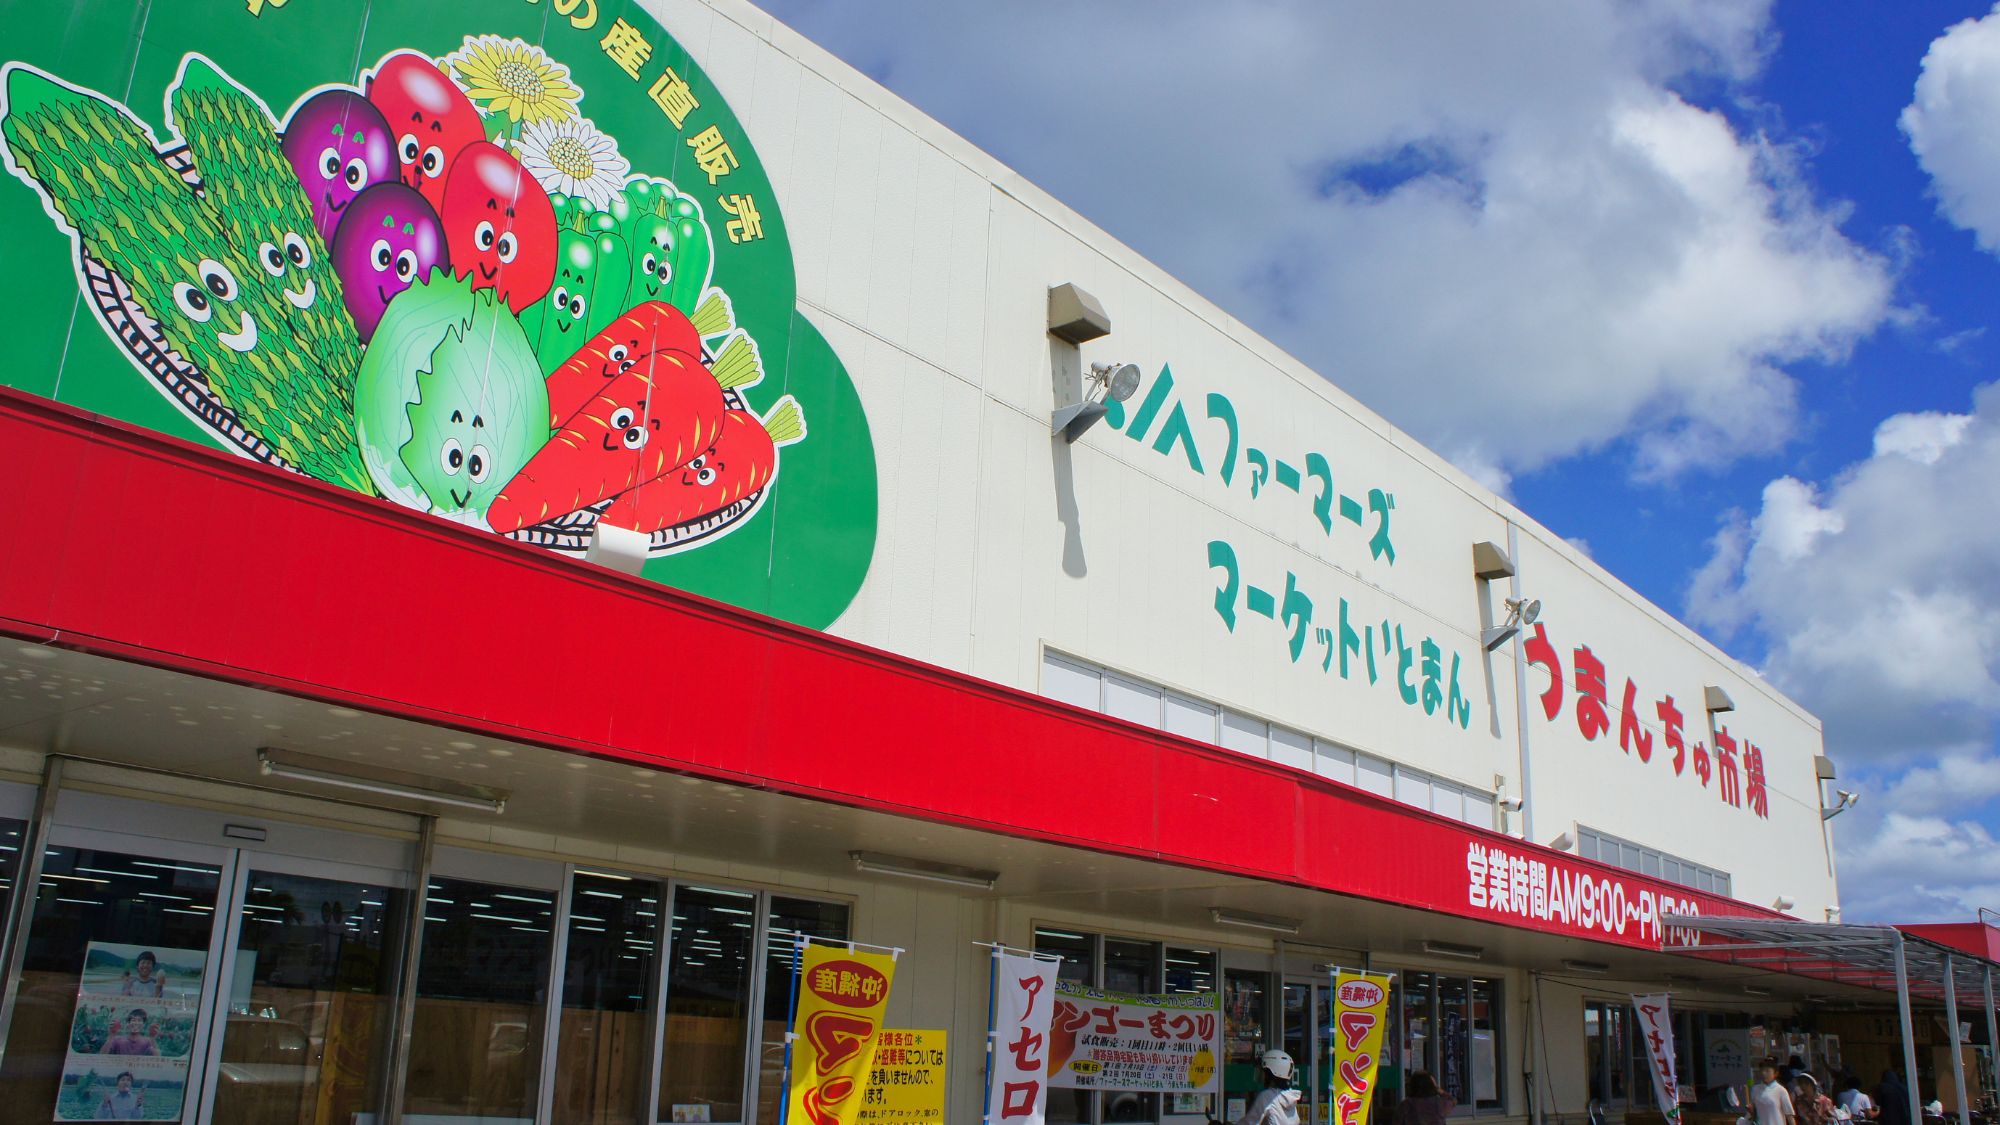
(572, 157)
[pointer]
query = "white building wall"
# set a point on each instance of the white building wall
(926, 264)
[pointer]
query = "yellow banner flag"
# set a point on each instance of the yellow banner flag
(842, 996)
(1360, 1012)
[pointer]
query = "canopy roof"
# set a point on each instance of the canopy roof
(1864, 956)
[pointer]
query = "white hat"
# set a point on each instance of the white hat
(1936, 1107)
(1277, 1062)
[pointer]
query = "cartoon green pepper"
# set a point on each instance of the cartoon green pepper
(671, 250)
(592, 267)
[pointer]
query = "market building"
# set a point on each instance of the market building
(518, 511)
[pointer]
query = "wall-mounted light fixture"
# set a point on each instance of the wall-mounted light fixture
(1594, 968)
(1274, 923)
(1490, 561)
(617, 548)
(1844, 800)
(876, 863)
(1563, 842)
(272, 762)
(1716, 700)
(1783, 902)
(1753, 990)
(1453, 949)
(1107, 382)
(1521, 612)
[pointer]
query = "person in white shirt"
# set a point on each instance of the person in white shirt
(1859, 1106)
(1769, 1099)
(1277, 1103)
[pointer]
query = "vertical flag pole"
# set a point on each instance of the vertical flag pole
(791, 1021)
(992, 1034)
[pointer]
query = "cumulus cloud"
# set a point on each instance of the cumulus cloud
(1914, 849)
(1517, 241)
(1876, 598)
(1950, 125)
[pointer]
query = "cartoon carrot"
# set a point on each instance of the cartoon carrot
(651, 327)
(740, 463)
(655, 414)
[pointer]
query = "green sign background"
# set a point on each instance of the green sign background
(804, 551)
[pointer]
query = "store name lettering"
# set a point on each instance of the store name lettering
(1744, 790)
(1414, 666)
(1368, 511)
(1512, 883)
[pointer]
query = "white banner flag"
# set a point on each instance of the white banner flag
(1024, 995)
(1656, 1026)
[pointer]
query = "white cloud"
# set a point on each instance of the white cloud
(1877, 597)
(1950, 125)
(1516, 240)
(1923, 437)
(1911, 850)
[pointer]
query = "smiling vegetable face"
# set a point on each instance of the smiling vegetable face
(499, 225)
(390, 238)
(587, 295)
(430, 120)
(338, 145)
(672, 252)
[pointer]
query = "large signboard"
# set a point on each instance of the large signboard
(519, 267)
(1102, 1040)
(836, 1029)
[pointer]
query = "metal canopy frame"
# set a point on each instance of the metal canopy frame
(1881, 958)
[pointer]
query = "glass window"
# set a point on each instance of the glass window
(1649, 863)
(1336, 762)
(1190, 719)
(310, 1006)
(1487, 1047)
(128, 906)
(482, 988)
(1454, 1040)
(1413, 788)
(1133, 702)
(789, 918)
(1606, 1052)
(1479, 810)
(1245, 1012)
(703, 1056)
(1246, 735)
(1447, 800)
(1078, 966)
(1071, 683)
(10, 860)
(1586, 844)
(1375, 775)
(610, 961)
(1131, 966)
(1290, 748)
(1413, 1021)
(1190, 970)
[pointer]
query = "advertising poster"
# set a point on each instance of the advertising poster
(132, 1034)
(1017, 1069)
(906, 1082)
(1656, 1027)
(1728, 1057)
(1120, 1041)
(1360, 1012)
(842, 995)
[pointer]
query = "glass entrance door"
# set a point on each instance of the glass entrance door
(1308, 1038)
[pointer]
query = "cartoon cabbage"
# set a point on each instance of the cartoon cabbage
(450, 402)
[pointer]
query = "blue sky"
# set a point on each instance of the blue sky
(1704, 285)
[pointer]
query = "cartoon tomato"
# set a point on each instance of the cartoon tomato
(388, 239)
(499, 225)
(430, 119)
(656, 414)
(339, 146)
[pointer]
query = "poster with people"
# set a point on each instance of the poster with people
(132, 1034)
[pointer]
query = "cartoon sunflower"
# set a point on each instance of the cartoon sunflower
(511, 77)
(574, 158)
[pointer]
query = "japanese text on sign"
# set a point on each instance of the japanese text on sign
(1414, 665)
(906, 1083)
(1745, 790)
(1657, 1029)
(1018, 1052)
(1361, 1009)
(1119, 1041)
(842, 995)
(1504, 882)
